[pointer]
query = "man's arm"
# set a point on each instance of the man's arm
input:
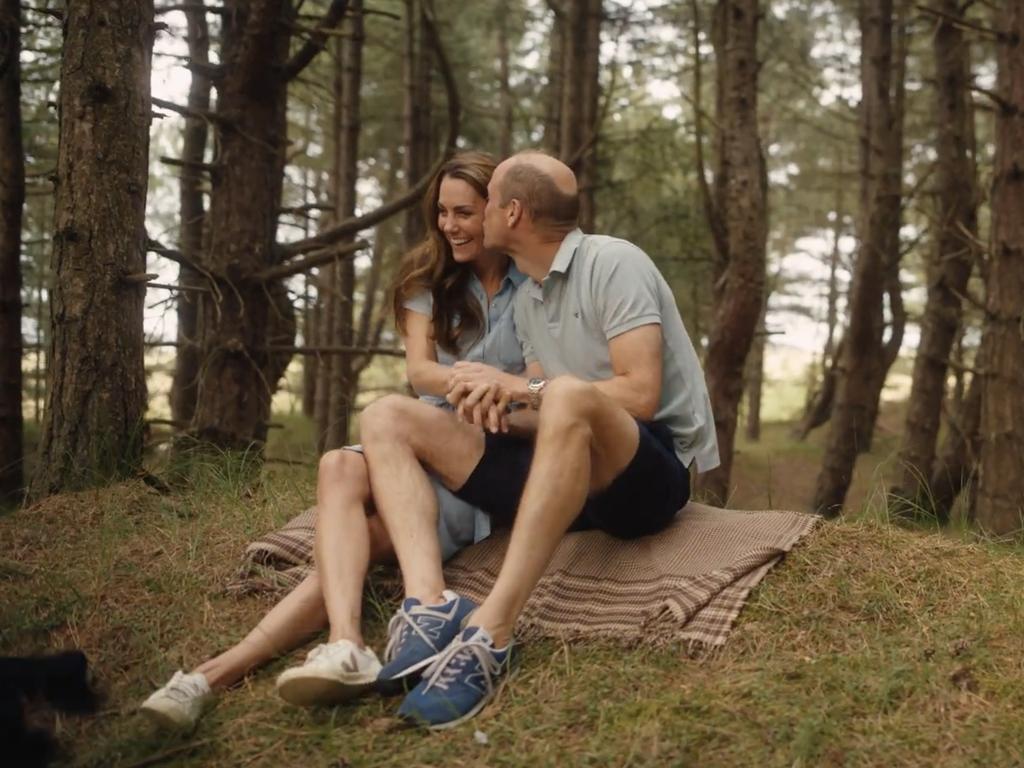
(636, 358)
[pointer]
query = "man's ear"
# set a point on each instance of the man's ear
(514, 212)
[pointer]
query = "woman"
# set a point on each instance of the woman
(452, 301)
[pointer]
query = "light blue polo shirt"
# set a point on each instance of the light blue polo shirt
(599, 287)
(498, 344)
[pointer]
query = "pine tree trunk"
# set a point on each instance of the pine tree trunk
(504, 87)
(1000, 502)
(310, 363)
(12, 198)
(96, 393)
(343, 383)
(957, 461)
(237, 373)
(193, 218)
(741, 188)
(418, 133)
(953, 255)
(754, 378)
(860, 376)
(581, 90)
(553, 92)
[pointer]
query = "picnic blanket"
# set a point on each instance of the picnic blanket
(686, 583)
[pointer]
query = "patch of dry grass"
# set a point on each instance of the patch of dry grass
(869, 645)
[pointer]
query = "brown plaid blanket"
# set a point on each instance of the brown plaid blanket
(687, 583)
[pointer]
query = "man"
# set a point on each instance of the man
(620, 412)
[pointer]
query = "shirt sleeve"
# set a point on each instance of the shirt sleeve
(624, 289)
(421, 303)
(529, 355)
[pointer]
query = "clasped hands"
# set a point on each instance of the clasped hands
(480, 394)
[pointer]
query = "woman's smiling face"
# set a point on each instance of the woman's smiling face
(460, 218)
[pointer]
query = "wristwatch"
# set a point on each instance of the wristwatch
(536, 387)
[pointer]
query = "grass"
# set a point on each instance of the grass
(870, 645)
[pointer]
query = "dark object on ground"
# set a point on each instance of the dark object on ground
(60, 681)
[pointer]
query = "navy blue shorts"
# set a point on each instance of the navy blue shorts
(642, 500)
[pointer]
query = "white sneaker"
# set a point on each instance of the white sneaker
(179, 704)
(332, 673)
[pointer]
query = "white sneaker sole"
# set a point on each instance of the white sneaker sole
(307, 689)
(165, 720)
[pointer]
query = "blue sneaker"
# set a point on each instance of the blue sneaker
(417, 633)
(459, 683)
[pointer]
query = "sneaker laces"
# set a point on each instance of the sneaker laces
(453, 660)
(184, 688)
(399, 627)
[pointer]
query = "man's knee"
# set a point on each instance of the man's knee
(568, 399)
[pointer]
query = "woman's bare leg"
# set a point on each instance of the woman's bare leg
(287, 625)
(347, 540)
(346, 543)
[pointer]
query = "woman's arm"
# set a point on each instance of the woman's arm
(427, 376)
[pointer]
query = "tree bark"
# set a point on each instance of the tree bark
(754, 378)
(237, 373)
(96, 393)
(12, 199)
(861, 368)
(418, 133)
(953, 255)
(343, 382)
(740, 194)
(505, 115)
(581, 90)
(193, 217)
(1000, 502)
(957, 461)
(554, 88)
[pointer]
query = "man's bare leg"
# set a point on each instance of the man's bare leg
(401, 436)
(345, 539)
(584, 441)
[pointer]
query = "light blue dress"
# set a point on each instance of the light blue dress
(461, 524)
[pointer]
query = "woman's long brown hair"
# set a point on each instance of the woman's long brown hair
(429, 266)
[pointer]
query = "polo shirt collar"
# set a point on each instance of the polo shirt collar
(563, 257)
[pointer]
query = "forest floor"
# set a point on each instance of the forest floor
(871, 644)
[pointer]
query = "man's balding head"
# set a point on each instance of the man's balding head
(544, 186)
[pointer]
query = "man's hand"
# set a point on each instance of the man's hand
(485, 404)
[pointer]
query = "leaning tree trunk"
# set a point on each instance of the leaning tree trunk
(96, 393)
(1000, 502)
(12, 198)
(193, 216)
(741, 187)
(238, 372)
(953, 255)
(859, 382)
(343, 382)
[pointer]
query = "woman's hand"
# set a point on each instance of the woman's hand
(466, 377)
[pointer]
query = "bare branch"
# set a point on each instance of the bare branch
(317, 40)
(219, 10)
(190, 164)
(315, 259)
